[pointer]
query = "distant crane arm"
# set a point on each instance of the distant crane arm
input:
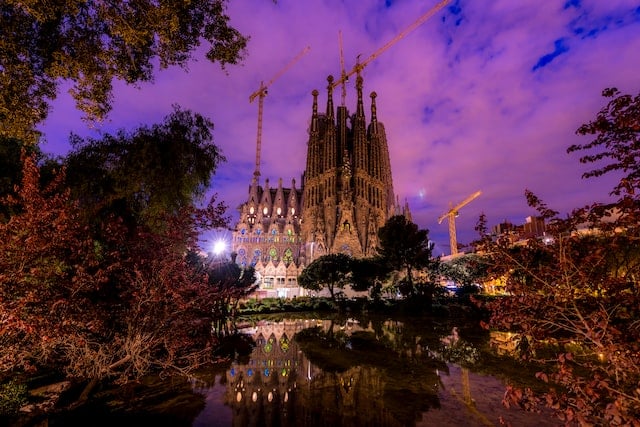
(450, 215)
(262, 90)
(360, 65)
(260, 93)
(454, 210)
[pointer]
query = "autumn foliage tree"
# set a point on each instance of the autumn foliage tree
(114, 307)
(577, 298)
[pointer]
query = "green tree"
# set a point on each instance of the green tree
(467, 270)
(231, 283)
(147, 174)
(369, 274)
(405, 247)
(92, 43)
(332, 271)
(581, 289)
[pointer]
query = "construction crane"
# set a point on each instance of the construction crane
(344, 76)
(451, 215)
(260, 94)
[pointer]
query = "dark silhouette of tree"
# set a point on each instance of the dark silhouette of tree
(369, 274)
(332, 271)
(231, 283)
(146, 174)
(406, 248)
(92, 43)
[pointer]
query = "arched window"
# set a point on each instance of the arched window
(288, 256)
(273, 254)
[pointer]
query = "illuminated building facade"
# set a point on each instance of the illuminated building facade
(345, 196)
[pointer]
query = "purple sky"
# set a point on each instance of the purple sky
(486, 95)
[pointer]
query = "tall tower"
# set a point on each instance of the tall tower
(345, 197)
(347, 188)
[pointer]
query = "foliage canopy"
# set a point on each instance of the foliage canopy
(403, 246)
(147, 174)
(579, 294)
(90, 43)
(332, 271)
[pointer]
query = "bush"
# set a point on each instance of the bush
(13, 396)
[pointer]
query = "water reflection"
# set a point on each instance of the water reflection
(373, 372)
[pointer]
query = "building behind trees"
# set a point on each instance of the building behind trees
(344, 197)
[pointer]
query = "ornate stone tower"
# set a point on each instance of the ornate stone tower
(348, 188)
(345, 197)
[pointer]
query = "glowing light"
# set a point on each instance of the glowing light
(251, 210)
(265, 211)
(279, 211)
(219, 247)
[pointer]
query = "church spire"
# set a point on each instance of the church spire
(360, 107)
(330, 98)
(314, 114)
(374, 116)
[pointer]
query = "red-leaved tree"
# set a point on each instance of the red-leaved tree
(575, 300)
(109, 304)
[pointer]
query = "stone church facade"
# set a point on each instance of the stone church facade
(345, 196)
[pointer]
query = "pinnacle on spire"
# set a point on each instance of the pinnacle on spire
(374, 116)
(314, 114)
(360, 108)
(330, 97)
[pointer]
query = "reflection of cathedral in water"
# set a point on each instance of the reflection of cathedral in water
(279, 386)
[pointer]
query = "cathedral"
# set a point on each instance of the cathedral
(344, 197)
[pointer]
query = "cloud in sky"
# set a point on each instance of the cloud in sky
(483, 96)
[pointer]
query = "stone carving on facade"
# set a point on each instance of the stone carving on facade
(345, 196)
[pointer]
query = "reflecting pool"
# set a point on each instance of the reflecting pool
(334, 371)
(361, 372)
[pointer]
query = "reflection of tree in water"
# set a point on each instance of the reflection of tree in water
(390, 389)
(341, 372)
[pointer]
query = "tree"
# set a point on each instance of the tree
(231, 283)
(581, 291)
(146, 174)
(405, 247)
(467, 270)
(332, 271)
(92, 43)
(617, 130)
(368, 274)
(112, 308)
(11, 152)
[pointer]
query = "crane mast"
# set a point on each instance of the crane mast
(260, 93)
(344, 76)
(451, 215)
